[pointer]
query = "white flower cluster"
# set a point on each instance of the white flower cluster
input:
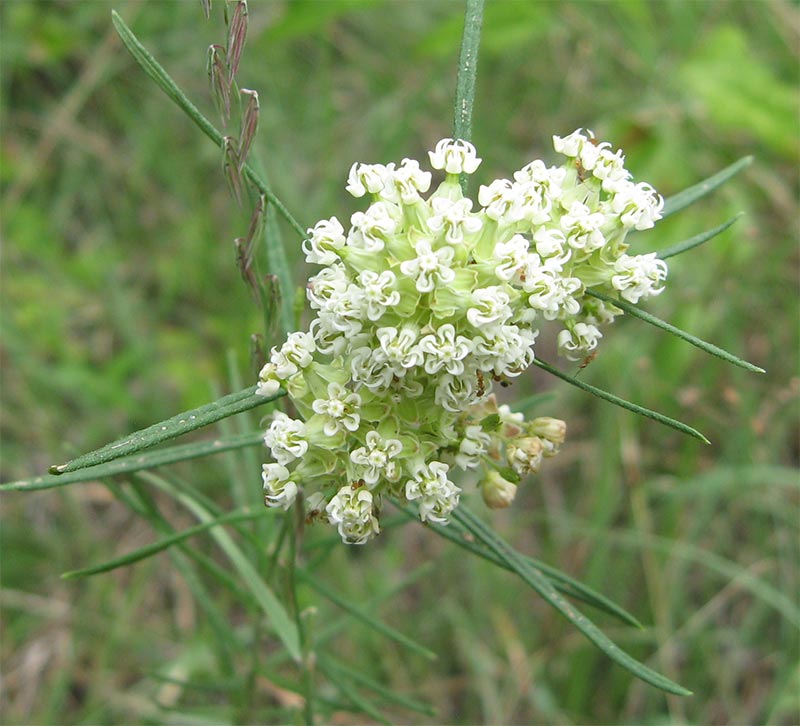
(422, 304)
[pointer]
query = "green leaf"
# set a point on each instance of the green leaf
(621, 402)
(183, 423)
(269, 603)
(561, 581)
(156, 547)
(381, 690)
(697, 240)
(363, 616)
(163, 80)
(467, 74)
(542, 585)
(130, 464)
(709, 348)
(683, 199)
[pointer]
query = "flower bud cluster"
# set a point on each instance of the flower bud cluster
(422, 304)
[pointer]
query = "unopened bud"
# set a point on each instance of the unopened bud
(552, 429)
(497, 492)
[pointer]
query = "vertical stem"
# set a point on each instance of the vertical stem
(466, 75)
(295, 546)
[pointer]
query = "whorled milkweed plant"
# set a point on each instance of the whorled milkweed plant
(421, 305)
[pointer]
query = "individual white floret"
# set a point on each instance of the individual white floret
(279, 489)
(610, 170)
(286, 438)
(576, 342)
(533, 202)
(453, 218)
(372, 228)
(437, 495)
(472, 447)
(294, 355)
(407, 182)
(379, 292)
(340, 409)
(377, 458)
(325, 238)
(369, 370)
(640, 276)
(368, 178)
(498, 199)
(352, 511)
(430, 267)
(638, 205)
(328, 339)
(455, 393)
(327, 282)
(581, 227)
(397, 348)
(551, 242)
(571, 145)
(455, 157)
(445, 349)
(490, 306)
(511, 257)
(505, 350)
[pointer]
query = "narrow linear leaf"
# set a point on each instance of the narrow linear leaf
(769, 594)
(342, 682)
(279, 265)
(683, 199)
(537, 581)
(150, 460)
(709, 348)
(163, 80)
(156, 547)
(561, 581)
(467, 74)
(387, 694)
(183, 423)
(282, 624)
(621, 402)
(364, 617)
(697, 240)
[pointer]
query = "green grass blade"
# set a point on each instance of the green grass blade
(163, 80)
(622, 403)
(363, 616)
(709, 348)
(178, 425)
(561, 581)
(387, 694)
(274, 610)
(769, 594)
(542, 585)
(683, 199)
(156, 547)
(697, 240)
(343, 684)
(150, 460)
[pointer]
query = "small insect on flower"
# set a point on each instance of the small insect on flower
(588, 359)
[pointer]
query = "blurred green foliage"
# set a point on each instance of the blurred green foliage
(120, 298)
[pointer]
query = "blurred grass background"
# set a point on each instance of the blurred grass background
(122, 305)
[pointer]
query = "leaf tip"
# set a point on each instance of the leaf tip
(57, 469)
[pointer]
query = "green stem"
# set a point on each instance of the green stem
(154, 69)
(467, 74)
(295, 530)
